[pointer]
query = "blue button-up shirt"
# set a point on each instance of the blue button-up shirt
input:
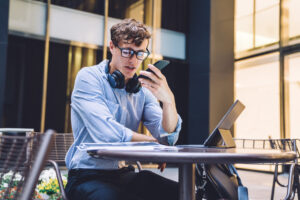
(100, 113)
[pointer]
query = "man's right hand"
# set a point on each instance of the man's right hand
(137, 137)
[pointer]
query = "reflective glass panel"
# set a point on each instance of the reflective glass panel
(243, 25)
(244, 33)
(293, 85)
(243, 8)
(92, 6)
(266, 22)
(257, 86)
(174, 15)
(126, 9)
(294, 18)
(261, 5)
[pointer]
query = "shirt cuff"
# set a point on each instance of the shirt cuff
(171, 138)
(127, 135)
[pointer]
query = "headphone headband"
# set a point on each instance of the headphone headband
(117, 80)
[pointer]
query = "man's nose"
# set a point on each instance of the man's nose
(133, 59)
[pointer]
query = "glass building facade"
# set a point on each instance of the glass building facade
(266, 72)
(267, 68)
(249, 52)
(219, 51)
(78, 36)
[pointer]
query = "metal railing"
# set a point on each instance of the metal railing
(292, 186)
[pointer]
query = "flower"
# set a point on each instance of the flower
(49, 184)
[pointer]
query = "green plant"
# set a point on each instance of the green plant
(12, 180)
(48, 184)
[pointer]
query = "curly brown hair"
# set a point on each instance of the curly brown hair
(129, 30)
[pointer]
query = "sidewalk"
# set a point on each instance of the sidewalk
(259, 184)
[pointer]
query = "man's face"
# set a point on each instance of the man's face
(127, 66)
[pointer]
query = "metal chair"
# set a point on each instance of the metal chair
(60, 147)
(22, 158)
(293, 185)
(56, 158)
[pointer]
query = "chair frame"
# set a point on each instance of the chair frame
(37, 165)
(293, 185)
(55, 157)
(31, 166)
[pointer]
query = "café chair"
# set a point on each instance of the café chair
(22, 158)
(56, 158)
(293, 185)
(57, 154)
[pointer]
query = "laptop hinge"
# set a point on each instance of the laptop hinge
(227, 140)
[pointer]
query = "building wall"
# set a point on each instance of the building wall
(4, 5)
(210, 54)
(193, 35)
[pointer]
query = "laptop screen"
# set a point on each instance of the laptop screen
(225, 123)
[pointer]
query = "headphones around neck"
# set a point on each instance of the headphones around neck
(117, 80)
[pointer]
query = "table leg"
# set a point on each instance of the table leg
(187, 181)
(290, 182)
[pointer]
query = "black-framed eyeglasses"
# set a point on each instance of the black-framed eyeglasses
(128, 53)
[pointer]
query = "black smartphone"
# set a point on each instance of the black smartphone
(159, 65)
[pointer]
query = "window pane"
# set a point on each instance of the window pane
(174, 15)
(257, 86)
(263, 4)
(92, 6)
(127, 9)
(294, 28)
(243, 8)
(266, 22)
(23, 93)
(243, 25)
(293, 80)
(244, 33)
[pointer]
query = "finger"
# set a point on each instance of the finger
(146, 81)
(156, 71)
(152, 90)
(154, 139)
(163, 166)
(149, 83)
(150, 75)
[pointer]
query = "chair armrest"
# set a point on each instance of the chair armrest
(59, 178)
(139, 166)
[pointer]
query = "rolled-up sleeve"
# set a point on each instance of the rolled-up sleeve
(152, 118)
(90, 105)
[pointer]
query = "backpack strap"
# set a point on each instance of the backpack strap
(242, 190)
(242, 193)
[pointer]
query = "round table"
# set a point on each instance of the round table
(186, 156)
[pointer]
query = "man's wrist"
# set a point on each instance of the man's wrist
(138, 137)
(170, 102)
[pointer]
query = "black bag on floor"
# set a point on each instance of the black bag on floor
(219, 181)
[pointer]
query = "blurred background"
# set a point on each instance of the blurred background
(220, 50)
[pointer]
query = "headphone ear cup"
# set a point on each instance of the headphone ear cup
(133, 85)
(116, 79)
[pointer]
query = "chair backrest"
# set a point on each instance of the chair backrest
(21, 161)
(60, 147)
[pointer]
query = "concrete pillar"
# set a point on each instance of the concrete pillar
(210, 51)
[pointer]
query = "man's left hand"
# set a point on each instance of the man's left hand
(157, 85)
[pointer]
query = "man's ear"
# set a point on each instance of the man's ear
(111, 47)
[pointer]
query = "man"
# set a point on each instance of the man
(105, 110)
